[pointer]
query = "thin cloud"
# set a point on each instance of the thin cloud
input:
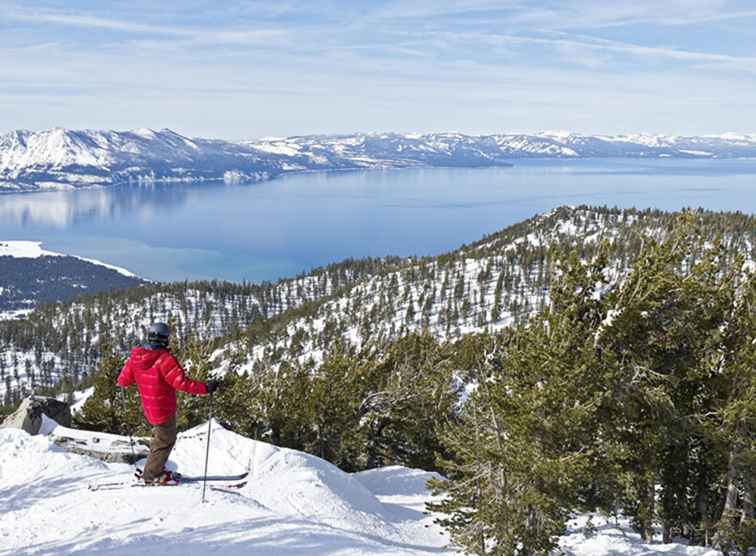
(565, 42)
(330, 65)
(224, 36)
(599, 13)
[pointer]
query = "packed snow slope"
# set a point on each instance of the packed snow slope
(64, 159)
(293, 503)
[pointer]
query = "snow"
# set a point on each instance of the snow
(559, 134)
(33, 250)
(696, 153)
(615, 537)
(277, 148)
(293, 503)
(16, 314)
(24, 250)
(80, 398)
(118, 269)
(60, 158)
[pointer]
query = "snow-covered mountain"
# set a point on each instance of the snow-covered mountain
(292, 503)
(58, 158)
(59, 341)
(501, 279)
(61, 158)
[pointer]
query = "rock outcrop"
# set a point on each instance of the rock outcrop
(28, 416)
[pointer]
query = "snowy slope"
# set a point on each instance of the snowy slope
(202, 309)
(486, 286)
(64, 159)
(614, 536)
(293, 503)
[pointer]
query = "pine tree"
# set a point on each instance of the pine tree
(110, 409)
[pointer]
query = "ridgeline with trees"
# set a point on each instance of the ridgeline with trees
(629, 390)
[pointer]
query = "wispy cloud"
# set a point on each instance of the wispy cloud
(598, 13)
(87, 21)
(256, 67)
(600, 47)
(571, 13)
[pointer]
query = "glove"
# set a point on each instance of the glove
(212, 385)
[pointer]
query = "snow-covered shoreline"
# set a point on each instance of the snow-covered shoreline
(25, 249)
(67, 159)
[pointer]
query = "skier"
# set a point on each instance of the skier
(158, 375)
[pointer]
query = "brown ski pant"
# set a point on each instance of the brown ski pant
(163, 440)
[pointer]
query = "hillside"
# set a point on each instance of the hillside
(61, 341)
(64, 159)
(498, 280)
(31, 276)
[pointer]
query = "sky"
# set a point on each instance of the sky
(244, 69)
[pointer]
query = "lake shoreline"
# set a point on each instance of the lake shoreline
(299, 221)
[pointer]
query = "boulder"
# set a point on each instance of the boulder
(115, 452)
(29, 414)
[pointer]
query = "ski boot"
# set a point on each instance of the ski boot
(166, 478)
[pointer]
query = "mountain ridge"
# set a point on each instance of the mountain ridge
(60, 158)
(485, 285)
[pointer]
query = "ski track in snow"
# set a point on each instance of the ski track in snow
(293, 503)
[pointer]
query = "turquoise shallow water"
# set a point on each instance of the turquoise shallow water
(267, 230)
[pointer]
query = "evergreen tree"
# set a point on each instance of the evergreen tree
(110, 408)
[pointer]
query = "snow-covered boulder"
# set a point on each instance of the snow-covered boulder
(29, 415)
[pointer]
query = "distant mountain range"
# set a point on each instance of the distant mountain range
(61, 159)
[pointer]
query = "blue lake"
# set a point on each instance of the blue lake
(263, 231)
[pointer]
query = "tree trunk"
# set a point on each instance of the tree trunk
(731, 499)
(647, 511)
(666, 533)
(703, 509)
(748, 499)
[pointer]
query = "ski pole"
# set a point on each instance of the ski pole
(207, 450)
(128, 425)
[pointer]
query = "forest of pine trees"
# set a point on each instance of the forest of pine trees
(641, 400)
(633, 397)
(499, 280)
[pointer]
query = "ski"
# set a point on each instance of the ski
(230, 488)
(198, 478)
(109, 486)
(134, 484)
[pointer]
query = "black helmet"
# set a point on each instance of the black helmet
(159, 334)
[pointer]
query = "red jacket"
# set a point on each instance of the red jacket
(158, 375)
